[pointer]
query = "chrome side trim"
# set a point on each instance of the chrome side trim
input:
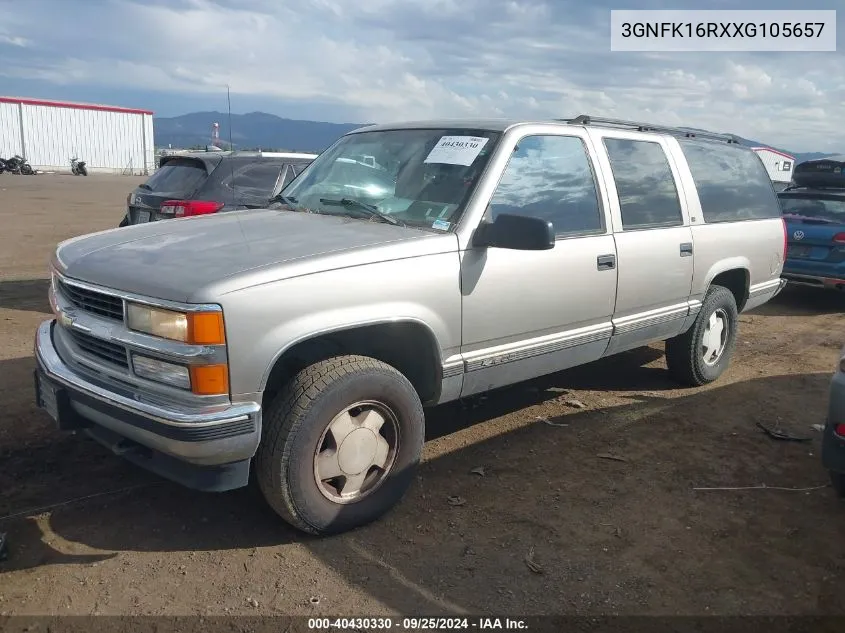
(766, 286)
(521, 350)
(453, 367)
(634, 322)
(131, 297)
(121, 397)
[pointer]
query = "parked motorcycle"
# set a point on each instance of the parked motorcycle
(77, 167)
(17, 165)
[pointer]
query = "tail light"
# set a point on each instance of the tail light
(785, 238)
(839, 238)
(186, 208)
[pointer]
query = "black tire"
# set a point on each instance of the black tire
(837, 480)
(294, 424)
(83, 171)
(124, 222)
(26, 170)
(684, 356)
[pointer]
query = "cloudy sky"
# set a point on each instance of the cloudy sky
(383, 60)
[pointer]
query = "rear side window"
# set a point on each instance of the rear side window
(253, 180)
(732, 182)
(178, 176)
(648, 196)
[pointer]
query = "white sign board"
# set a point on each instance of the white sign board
(456, 150)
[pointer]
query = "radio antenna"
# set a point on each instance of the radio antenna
(231, 147)
(229, 105)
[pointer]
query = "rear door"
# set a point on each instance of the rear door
(177, 179)
(815, 233)
(653, 238)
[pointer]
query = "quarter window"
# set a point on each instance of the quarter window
(731, 181)
(647, 193)
(550, 177)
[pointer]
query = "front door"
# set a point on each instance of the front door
(529, 313)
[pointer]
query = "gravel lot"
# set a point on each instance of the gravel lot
(608, 536)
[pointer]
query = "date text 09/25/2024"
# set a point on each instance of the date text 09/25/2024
(416, 624)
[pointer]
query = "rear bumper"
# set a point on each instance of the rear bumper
(833, 446)
(207, 448)
(818, 281)
(815, 273)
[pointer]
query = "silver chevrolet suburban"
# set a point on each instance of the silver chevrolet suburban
(461, 256)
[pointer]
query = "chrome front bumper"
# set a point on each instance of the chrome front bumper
(209, 447)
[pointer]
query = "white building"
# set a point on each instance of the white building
(48, 134)
(778, 164)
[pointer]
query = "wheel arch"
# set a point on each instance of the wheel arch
(407, 343)
(733, 274)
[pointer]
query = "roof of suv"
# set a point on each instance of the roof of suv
(501, 125)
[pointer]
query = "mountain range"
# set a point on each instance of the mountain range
(260, 130)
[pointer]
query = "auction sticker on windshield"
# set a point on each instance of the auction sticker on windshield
(456, 150)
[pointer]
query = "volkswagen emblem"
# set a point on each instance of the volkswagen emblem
(798, 235)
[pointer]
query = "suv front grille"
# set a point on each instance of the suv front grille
(98, 303)
(105, 351)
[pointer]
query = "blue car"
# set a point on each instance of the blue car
(814, 210)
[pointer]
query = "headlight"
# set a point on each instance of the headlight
(161, 371)
(196, 328)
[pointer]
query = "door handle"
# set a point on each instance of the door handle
(606, 262)
(686, 249)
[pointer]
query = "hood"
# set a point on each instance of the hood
(175, 259)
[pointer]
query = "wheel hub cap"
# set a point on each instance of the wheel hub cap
(715, 337)
(357, 452)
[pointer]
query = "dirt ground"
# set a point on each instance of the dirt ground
(90, 534)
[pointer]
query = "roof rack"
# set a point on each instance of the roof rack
(586, 119)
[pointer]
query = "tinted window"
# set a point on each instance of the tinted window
(648, 196)
(814, 208)
(253, 180)
(732, 182)
(179, 175)
(550, 177)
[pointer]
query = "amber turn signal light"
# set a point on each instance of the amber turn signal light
(210, 380)
(206, 328)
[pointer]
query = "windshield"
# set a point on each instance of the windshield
(813, 208)
(420, 178)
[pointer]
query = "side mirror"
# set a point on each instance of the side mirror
(517, 232)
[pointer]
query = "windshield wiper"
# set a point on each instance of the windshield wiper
(370, 209)
(806, 219)
(288, 200)
(144, 185)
